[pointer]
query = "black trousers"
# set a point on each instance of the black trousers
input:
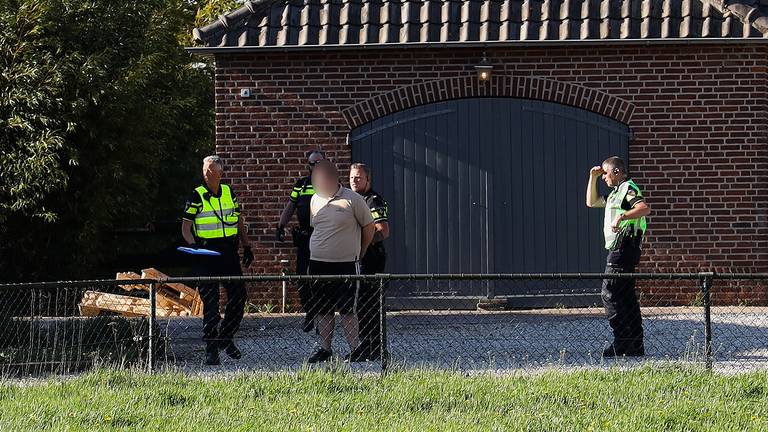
(619, 297)
(304, 287)
(228, 264)
(369, 302)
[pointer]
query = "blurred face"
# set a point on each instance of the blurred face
(325, 181)
(611, 178)
(358, 181)
(314, 158)
(212, 173)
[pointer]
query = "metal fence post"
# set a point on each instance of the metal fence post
(706, 288)
(284, 271)
(383, 346)
(152, 323)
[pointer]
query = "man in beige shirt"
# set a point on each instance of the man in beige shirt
(342, 231)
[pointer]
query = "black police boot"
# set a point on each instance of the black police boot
(309, 323)
(614, 350)
(610, 351)
(359, 354)
(321, 355)
(637, 349)
(373, 354)
(231, 349)
(212, 354)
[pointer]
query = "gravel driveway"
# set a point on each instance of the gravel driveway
(502, 341)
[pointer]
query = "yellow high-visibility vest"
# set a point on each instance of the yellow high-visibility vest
(613, 208)
(219, 216)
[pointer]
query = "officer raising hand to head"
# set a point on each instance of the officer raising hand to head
(623, 227)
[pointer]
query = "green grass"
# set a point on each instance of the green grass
(654, 399)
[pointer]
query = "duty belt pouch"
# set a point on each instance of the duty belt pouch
(378, 250)
(301, 236)
(626, 251)
(620, 236)
(374, 254)
(629, 235)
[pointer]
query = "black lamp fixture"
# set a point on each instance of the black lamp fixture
(484, 69)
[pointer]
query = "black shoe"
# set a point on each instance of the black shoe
(232, 351)
(212, 356)
(614, 351)
(321, 355)
(309, 324)
(373, 355)
(359, 354)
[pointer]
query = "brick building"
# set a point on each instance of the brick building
(488, 175)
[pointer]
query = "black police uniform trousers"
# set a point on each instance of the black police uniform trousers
(301, 242)
(368, 300)
(228, 264)
(619, 297)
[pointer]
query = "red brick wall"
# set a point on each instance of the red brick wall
(698, 114)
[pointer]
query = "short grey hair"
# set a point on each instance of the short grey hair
(616, 162)
(363, 167)
(214, 159)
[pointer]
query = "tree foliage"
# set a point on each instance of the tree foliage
(209, 10)
(103, 120)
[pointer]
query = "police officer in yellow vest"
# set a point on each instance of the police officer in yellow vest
(212, 221)
(623, 229)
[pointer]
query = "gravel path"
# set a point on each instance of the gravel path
(502, 342)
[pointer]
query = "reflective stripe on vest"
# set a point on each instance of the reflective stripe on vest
(303, 191)
(218, 218)
(613, 209)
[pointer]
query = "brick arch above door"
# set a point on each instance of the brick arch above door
(543, 89)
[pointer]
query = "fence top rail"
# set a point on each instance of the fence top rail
(441, 277)
(390, 277)
(78, 283)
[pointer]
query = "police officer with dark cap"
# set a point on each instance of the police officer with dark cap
(298, 202)
(374, 261)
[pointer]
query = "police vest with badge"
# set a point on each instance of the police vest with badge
(621, 199)
(215, 218)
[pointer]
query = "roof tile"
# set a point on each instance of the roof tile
(306, 23)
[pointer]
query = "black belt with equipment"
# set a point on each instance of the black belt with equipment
(376, 251)
(301, 236)
(629, 237)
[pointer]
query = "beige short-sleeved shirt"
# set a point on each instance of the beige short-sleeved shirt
(338, 223)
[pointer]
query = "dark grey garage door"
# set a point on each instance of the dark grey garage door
(489, 185)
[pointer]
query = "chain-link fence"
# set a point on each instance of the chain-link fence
(66, 327)
(383, 322)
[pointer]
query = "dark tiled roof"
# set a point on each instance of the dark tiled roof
(308, 23)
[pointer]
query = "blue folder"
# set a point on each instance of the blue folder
(193, 251)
